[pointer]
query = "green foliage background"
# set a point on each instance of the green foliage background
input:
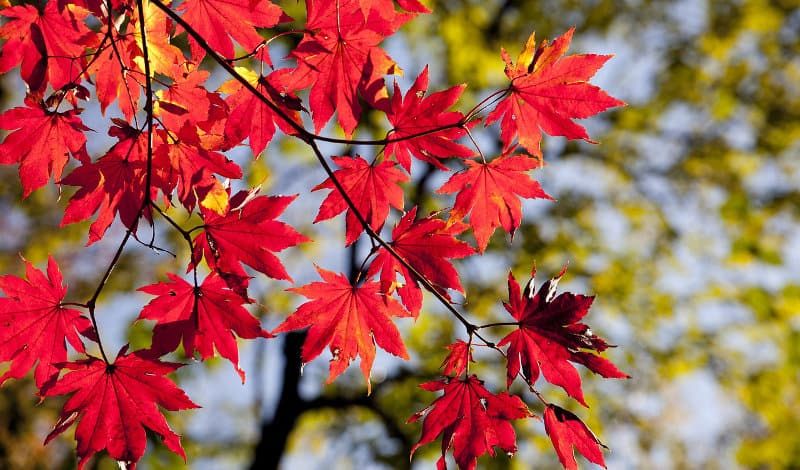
(684, 221)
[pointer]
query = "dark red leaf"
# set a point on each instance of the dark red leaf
(425, 244)
(216, 20)
(34, 326)
(470, 419)
(48, 45)
(460, 356)
(567, 431)
(550, 336)
(114, 184)
(490, 193)
(340, 59)
(417, 114)
(204, 318)
(349, 320)
(247, 234)
(114, 403)
(547, 92)
(372, 188)
(42, 142)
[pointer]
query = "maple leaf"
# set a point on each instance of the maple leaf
(550, 336)
(246, 234)
(567, 430)
(372, 188)
(35, 326)
(490, 193)
(547, 92)
(426, 245)
(117, 74)
(186, 100)
(42, 142)
(251, 117)
(216, 20)
(471, 420)
(205, 318)
(457, 360)
(191, 168)
(114, 184)
(348, 319)
(160, 53)
(417, 114)
(48, 45)
(114, 403)
(340, 59)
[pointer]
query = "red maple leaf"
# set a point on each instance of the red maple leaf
(114, 403)
(550, 336)
(35, 326)
(340, 59)
(246, 234)
(251, 117)
(547, 92)
(162, 55)
(42, 142)
(186, 100)
(117, 74)
(205, 318)
(372, 188)
(190, 167)
(471, 420)
(457, 360)
(114, 184)
(426, 245)
(567, 430)
(348, 319)
(49, 44)
(490, 193)
(417, 114)
(216, 20)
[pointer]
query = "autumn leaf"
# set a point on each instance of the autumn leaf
(114, 184)
(184, 164)
(550, 336)
(185, 100)
(117, 74)
(372, 188)
(490, 193)
(161, 54)
(417, 114)
(41, 143)
(426, 244)
(340, 59)
(35, 326)
(458, 359)
(247, 234)
(348, 319)
(470, 419)
(114, 403)
(548, 91)
(250, 117)
(567, 431)
(204, 318)
(47, 44)
(219, 20)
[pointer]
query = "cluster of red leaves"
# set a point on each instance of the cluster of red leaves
(170, 152)
(548, 335)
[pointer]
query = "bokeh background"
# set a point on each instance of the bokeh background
(684, 221)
